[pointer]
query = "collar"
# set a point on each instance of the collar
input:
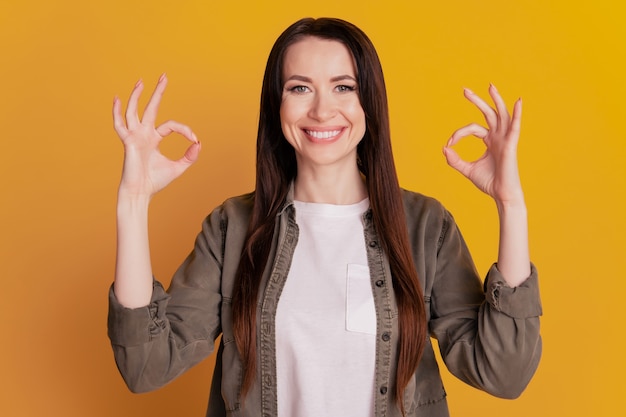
(288, 204)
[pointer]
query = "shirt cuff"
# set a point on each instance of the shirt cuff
(519, 302)
(136, 326)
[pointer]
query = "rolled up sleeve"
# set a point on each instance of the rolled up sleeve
(136, 326)
(154, 344)
(519, 302)
(488, 333)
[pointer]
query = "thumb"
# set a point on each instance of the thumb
(188, 159)
(454, 160)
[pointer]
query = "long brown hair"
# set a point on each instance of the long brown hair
(276, 168)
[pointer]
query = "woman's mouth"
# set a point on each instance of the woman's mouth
(323, 135)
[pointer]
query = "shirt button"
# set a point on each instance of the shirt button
(383, 390)
(380, 283)
(373, 244)
(386, 336)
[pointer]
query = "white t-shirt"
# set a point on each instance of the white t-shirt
(326, 319)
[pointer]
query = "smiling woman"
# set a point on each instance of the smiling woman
(322, 118)
(324, 280)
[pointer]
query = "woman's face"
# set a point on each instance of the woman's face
(321, 115)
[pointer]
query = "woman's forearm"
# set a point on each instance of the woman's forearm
(513, 252)
(133, 270)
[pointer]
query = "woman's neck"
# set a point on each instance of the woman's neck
(330, 185)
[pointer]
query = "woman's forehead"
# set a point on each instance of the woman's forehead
(313, 55)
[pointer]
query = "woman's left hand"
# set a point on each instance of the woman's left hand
(495, 172)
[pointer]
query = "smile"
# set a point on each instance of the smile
(323, 134)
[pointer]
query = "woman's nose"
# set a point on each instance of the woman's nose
(323, 107)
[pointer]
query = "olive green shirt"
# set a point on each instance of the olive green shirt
(488, 333)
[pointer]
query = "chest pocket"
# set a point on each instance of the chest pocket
(360, 309)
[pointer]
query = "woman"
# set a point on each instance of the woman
(326, 282)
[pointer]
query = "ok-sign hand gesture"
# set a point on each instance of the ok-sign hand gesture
(146, 170)
(495, 172)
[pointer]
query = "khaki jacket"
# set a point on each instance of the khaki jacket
(488, 334)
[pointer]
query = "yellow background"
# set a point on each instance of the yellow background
(62, 62)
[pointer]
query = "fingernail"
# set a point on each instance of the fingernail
(493, 86)
(139, 83)
(467, 90)
(162, 77)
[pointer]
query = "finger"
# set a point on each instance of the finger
(172, 126)
(503, 112)
(132, 119)
(491, 117)
(118, 121)
(473, 129)
(192, 152)
(190, 156)
(150, 113)
(455, 161)
(516, 121)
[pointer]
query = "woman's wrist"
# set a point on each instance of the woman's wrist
(512, 205)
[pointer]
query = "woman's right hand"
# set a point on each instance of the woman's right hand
(146, 170)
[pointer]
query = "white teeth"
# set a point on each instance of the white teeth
(323, 134)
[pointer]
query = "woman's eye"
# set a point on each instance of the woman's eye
(345, 88)
(299, 89)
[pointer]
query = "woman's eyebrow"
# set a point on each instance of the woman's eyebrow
(299, 78)
(309, 80)
(342, 78)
